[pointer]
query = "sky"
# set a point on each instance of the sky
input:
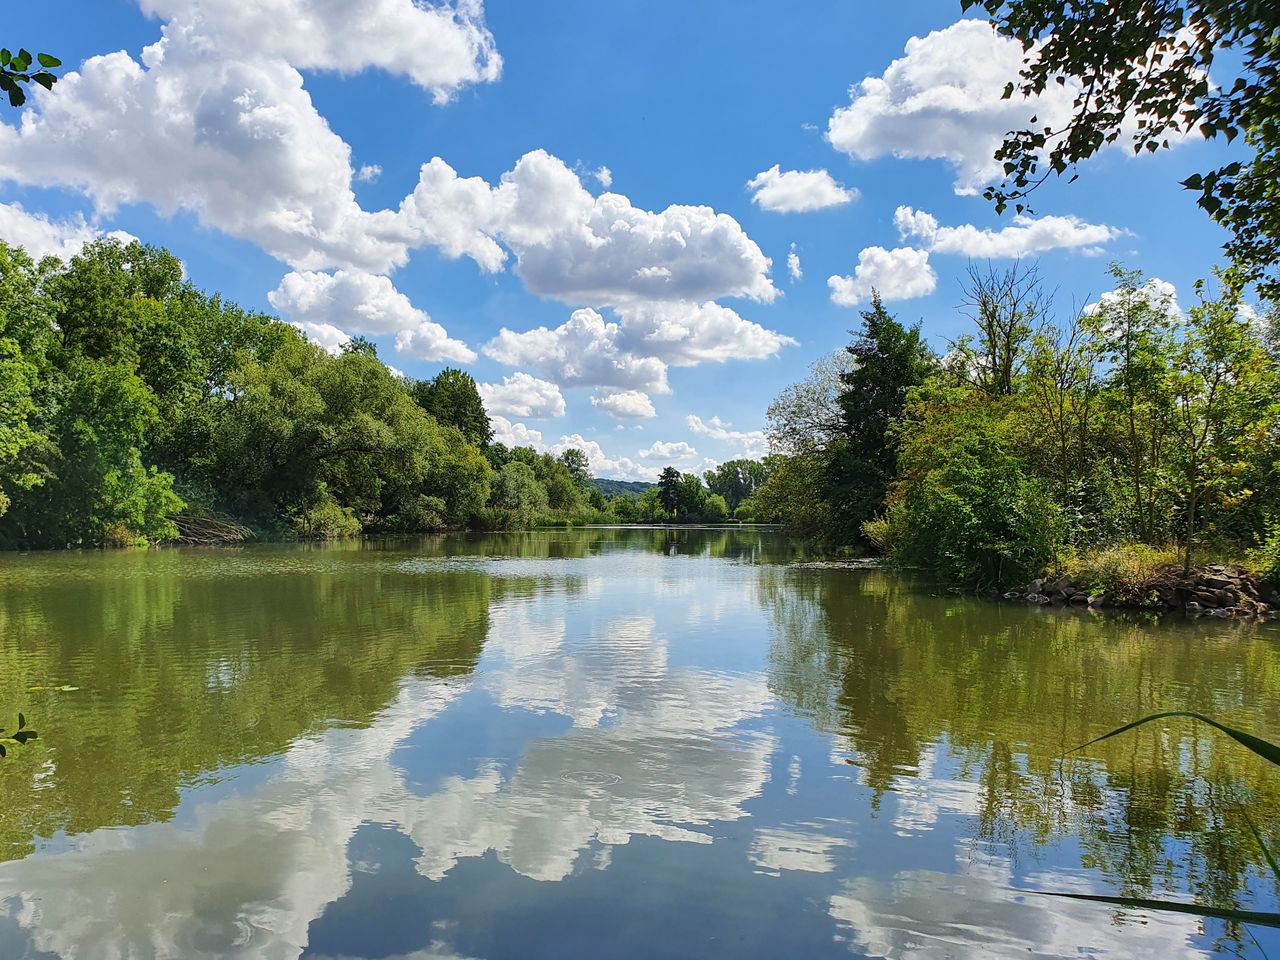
(633, 223)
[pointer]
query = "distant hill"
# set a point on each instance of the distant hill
(621, 488)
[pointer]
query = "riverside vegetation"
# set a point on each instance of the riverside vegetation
(1132, 442)
(136, 408)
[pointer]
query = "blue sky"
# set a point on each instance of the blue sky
(621, 324)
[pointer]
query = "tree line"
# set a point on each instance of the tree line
(1034, 443)
(136, 408)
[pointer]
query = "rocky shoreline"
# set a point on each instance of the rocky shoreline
(1210, 591)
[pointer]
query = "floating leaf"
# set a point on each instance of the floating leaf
(22, 721)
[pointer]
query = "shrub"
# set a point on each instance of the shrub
(1264, 560)
(327, 520)
(979, 519)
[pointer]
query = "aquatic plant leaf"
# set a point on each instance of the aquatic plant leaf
(1271, 861)
(1263, 748)
(1171, 906)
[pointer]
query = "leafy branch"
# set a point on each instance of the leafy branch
(15, 70)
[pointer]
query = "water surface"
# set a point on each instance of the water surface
(607, 743)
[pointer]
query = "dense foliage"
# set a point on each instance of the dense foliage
(130, 401)
(1029, 442)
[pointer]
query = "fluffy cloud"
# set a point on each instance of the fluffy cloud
(584, 249)
(797, 191)
(750, 443)
(1026, 235)
(625, 404)
(687, 334)
(41, 237)
(440, 47)
(1159, 295)
(899, 274)
(521, 395)
(583, 351)
(222, 127)
(793, 264)
(514, 434)
(604, 176)
(326, 306)
(215, 120)
(600, 463)
(944, 100)
(669, 452)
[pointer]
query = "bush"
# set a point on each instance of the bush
(327, 520)
(979, 519)
(1264, 560)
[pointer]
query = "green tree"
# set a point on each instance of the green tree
(1142, 70)
(669, 482)
(454, 400)
(1134, 324)
(99, 491)
(516, 488)
(886, 361)
(1224, 392)
(736, 480)
(579, 467)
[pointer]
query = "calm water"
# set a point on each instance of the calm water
(606, 743)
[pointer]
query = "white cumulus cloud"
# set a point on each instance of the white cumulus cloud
(521, 395)
(944, 99)
(514, 434)
(793, 264)
(600, 463)
(326, 306)
(582, 352)
(687, 334)
(441, 47)
(1025, 235)
(899, 274)
(626, 404)
(669, 452)
(579, 248)
(749, 443)
(797, 191)
(42, 237)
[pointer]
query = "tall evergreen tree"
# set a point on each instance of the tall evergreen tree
(887, 360)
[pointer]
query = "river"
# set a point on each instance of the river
(609, 743)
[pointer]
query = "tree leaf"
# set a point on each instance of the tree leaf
(46, 60)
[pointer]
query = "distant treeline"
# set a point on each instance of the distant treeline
(136, 408)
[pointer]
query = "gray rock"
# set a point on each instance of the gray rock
(1193, 608)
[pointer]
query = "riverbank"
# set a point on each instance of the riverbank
(1213, 590)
